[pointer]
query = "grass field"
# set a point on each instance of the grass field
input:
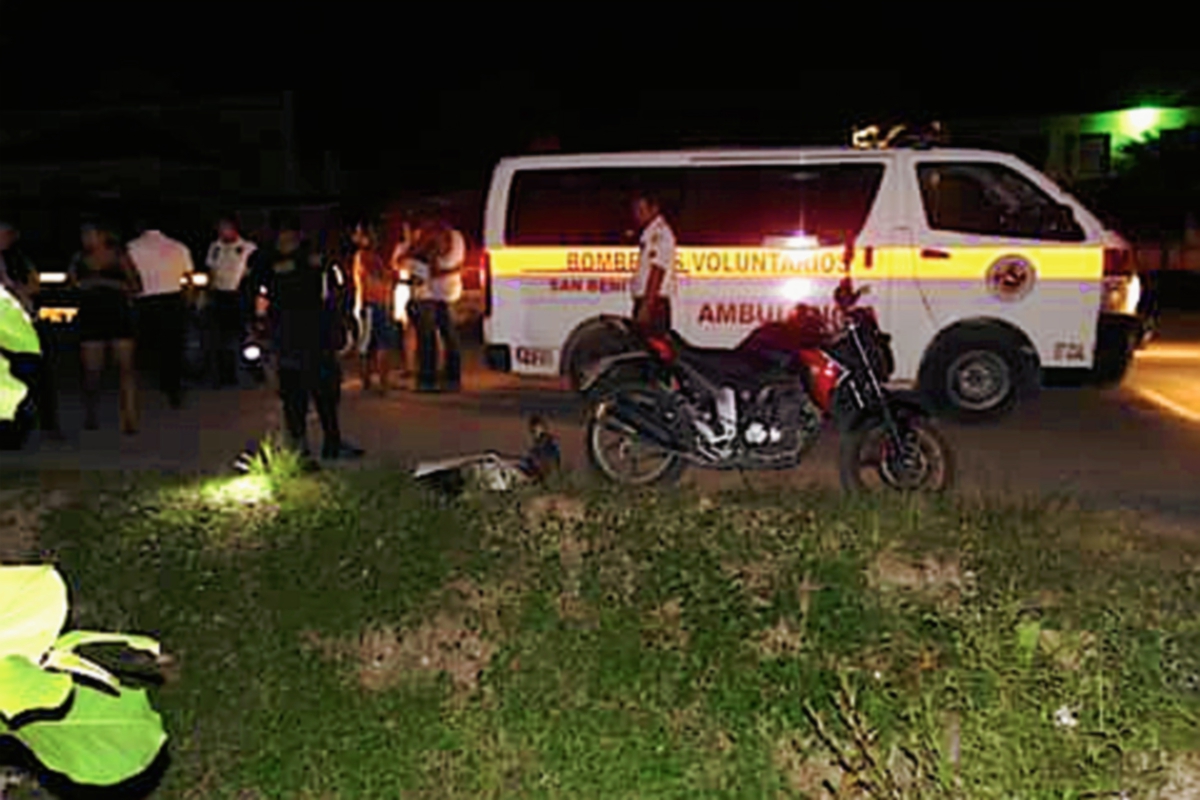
(345, 636)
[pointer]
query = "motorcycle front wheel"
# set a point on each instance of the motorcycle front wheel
(868, 459)
(619, 453)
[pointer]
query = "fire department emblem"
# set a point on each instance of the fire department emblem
(1010, 278)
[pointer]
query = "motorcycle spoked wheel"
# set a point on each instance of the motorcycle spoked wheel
(616, 451)
(869, 461)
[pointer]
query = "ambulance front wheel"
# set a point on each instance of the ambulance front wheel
(974, 376)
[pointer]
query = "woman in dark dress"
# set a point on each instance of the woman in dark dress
(107, 281)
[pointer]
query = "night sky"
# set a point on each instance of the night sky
(432, 101)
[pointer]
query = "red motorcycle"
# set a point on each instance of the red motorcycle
(663, 404)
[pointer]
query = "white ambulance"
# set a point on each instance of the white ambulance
(983, 270)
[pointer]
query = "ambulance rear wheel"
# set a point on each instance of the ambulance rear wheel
(586, 352)
(974, 376)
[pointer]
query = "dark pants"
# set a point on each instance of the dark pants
(228, 328)
(661, 321)
(46, 388)
(433, 317)
(315, 377)
(162, 320)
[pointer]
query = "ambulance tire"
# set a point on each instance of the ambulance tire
(974, 374)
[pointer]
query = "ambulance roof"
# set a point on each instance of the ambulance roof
(720, 155)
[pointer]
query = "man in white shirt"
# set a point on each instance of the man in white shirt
(653, 284)
(438, 254)
(227, 262)
(162, 263)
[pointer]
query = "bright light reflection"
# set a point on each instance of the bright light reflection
(797, 290)
(1133, 295)
(797, 241)
(1139, 120)
(242, 490)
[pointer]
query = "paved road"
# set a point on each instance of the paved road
(1109, 447)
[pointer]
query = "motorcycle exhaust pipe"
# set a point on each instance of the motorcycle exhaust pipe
(643, 424)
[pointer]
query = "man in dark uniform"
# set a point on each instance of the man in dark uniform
(304, 312)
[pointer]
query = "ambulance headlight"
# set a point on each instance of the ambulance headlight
(1134, 296)
(1122, 293)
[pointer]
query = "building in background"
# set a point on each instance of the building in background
(1078, 148)
(1089, 146)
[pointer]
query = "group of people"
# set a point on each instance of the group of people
(124, 288)
(415, 285)
(133, 291)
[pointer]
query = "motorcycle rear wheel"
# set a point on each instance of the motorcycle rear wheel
(613, 448)
(867, 461)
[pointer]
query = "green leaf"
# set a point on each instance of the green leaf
(12, 391)
(73, 640)
(33, 609)
(102, 741)
(66, 661)
(17, 335)
(24, 686)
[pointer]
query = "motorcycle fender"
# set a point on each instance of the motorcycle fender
(599, 373)
(903, 404)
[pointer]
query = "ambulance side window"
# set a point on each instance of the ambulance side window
(747, 206)
(992, 200)
(565, 207)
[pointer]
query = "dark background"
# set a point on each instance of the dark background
(428, 97)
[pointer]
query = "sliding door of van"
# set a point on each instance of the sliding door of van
(757, 239)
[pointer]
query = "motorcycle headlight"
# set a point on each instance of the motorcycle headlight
(251, 352)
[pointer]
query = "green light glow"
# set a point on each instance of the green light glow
(1134, 123)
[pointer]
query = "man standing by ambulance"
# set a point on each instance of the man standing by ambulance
(162, 262)
(653, 284)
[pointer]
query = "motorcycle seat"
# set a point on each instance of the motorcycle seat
(732, 366)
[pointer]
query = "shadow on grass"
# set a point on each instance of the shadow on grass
(139, 787)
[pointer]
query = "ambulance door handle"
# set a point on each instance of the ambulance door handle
(929, 252)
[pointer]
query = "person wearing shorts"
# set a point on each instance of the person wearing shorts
(107, 281)
(375, 285)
